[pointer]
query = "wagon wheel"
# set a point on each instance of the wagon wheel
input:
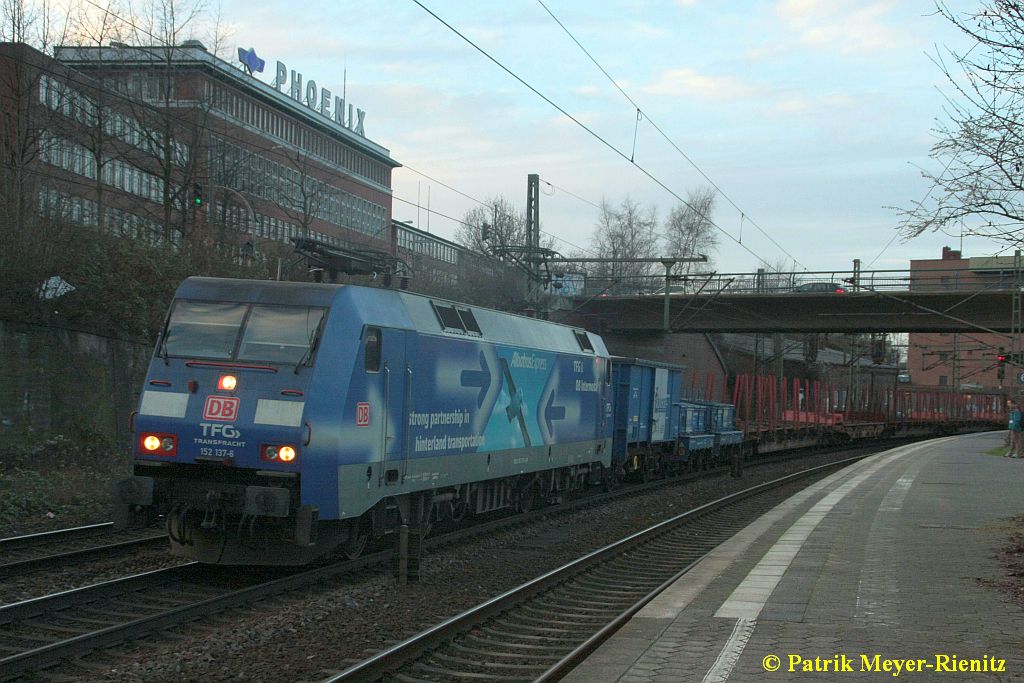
(648, 467)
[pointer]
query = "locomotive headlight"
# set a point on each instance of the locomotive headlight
(286, 453)
(227, 383)
(159, 444)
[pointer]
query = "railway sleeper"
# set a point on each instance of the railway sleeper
(443, 658)
(527, 647)
(475, 652)
(440, 671)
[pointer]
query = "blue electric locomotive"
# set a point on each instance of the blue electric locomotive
(280, 421)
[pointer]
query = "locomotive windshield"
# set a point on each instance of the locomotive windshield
(242, 332)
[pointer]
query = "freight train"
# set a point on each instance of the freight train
(282, 421)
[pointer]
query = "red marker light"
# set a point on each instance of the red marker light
(275, 453)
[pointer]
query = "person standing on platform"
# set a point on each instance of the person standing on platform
(1013, 411)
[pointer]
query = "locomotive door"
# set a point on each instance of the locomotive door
(394, 384)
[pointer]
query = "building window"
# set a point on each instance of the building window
(943, 381)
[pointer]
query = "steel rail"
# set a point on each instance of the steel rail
(23, 566)
(26, 616)
(13, 542)
(426, 642)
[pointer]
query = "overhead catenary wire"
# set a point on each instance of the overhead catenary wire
(486, 205)
(235, 138)
(641, 114)
(592, 132)
(143, 30)
(425, 175)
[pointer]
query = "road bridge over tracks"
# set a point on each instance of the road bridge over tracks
(876, 301)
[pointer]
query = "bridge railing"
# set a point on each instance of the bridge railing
(779, 283)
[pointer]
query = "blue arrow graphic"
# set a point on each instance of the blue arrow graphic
(478, 378)
(553, 413)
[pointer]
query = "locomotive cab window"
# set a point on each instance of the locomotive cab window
(280, 334)
(242, 332)
(372, 347)
(203, 329)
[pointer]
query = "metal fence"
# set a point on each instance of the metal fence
(765, 282)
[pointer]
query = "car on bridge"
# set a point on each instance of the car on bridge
(672, 289)
(820, 288)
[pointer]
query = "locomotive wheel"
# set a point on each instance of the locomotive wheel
(527, 498)
(457, 509)
(356, 542)
(611, 477)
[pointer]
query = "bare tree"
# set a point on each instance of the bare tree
(492, 278)
(171, 112)
(39, 24)
(32, 239)
(979, 176)
(689, 230)
(500, 222)
(628, 231)
(97, 27)
(303, 196)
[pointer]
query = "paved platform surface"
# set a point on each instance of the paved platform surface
(878, 571)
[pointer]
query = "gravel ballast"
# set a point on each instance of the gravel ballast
(308, 634)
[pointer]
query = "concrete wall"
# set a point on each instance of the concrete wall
(60, 381)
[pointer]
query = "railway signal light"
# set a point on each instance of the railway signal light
(197, 194)
(485, 233)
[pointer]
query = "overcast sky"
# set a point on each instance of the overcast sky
(810, 115)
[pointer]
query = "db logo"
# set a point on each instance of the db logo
(362, 415)
(223, 408)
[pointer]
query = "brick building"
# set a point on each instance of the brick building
(267, 160)
(964, 360)
(128, 138)
(174, 143)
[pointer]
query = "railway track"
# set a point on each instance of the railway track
(41, 632)
(38, 633)
(20, 555)
(540, 630)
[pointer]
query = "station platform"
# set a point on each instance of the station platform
(879, 571)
